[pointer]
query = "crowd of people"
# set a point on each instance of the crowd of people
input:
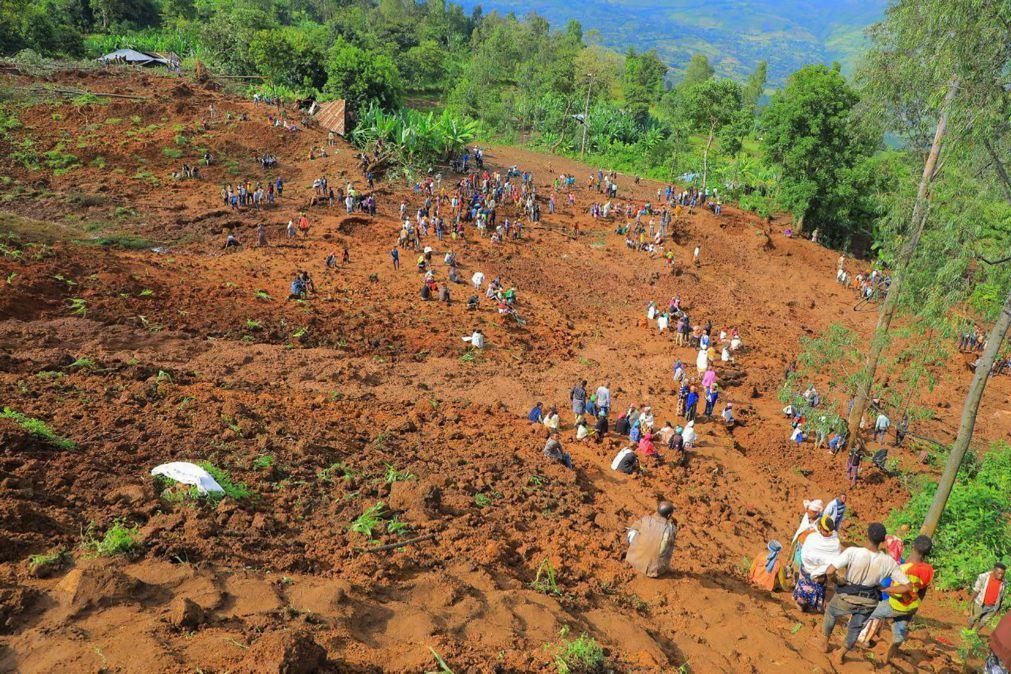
(884, 581)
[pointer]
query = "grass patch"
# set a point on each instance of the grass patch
(236, 490)
(83, 364)
(38, 429)
(148, 177)
(582, 655)
(263, 462)
(546, 580)
(125, 241)
(327, 474)
(50, 559)
(119, 539)
(394, 475)
(172, 153)
(369, 521)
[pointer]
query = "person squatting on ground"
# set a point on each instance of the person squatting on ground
(651, 542)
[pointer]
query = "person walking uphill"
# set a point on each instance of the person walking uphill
(651, 542)
(988, 593)
(866, 568)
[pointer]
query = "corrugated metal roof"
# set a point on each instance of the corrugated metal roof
(332, 116)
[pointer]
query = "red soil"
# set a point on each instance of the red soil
(377, 379)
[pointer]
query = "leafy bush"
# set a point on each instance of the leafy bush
(119, 539)
(417, 139)
(974, 530)
(38, 429)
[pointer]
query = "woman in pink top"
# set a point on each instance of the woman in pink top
(709, 378)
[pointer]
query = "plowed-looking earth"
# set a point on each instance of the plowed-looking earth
(192, 353)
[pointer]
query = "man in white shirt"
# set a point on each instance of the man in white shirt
(866, 567)
(881, 426)
(604, 398)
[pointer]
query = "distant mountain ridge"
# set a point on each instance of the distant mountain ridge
(734, 34)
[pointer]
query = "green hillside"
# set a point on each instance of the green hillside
(734, 34)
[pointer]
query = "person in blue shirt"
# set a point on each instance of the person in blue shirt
(537, 413)
(712, 395)
(691, 404)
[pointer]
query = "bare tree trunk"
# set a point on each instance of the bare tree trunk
(916, 223)
(586, 117)
(968, 423)
(705, 157)
(998, 166)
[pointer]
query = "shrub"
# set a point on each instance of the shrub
(974, 530)
(38, 429)
(119, 539)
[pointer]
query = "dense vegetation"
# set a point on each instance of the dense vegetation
(975, 531)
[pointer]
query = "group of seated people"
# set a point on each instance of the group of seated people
(187, 171)
(301, 286)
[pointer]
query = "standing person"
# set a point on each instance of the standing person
(604, 398)
(900, 608)
(691, 404)
(578, 398)
(989, 596)
(651, 542)
(695, 256)
(712, 394)
(836, 509)
(853, 465)
(261, 235)
(395, 254)
(901, 429)
(819, 549)
(866, 568)
(881, 427)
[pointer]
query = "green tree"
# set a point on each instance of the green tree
(128, 13)
(755, 86)
(425, 66)
(643, 82)
(291, 56)
(809, 133)
(46, 27)
(709, 107)
(698, 70)
(362, 77)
